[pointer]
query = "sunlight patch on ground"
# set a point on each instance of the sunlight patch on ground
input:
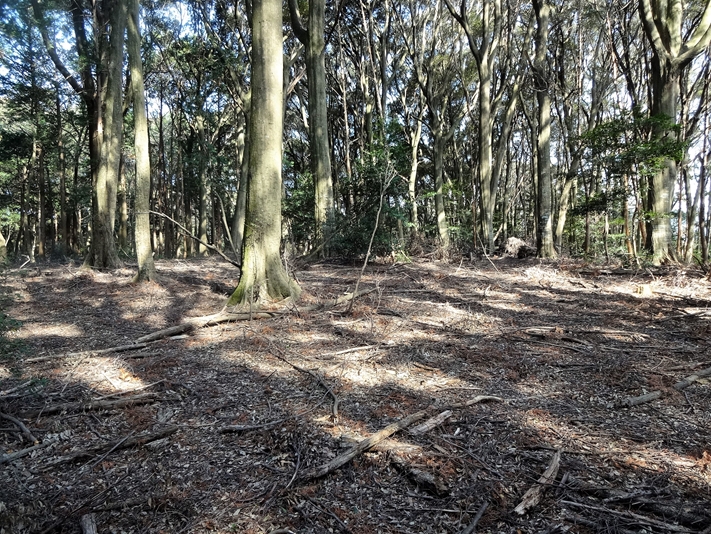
(106, 374)
(619, 452)
(66, 330)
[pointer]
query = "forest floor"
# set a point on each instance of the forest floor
(220, 429)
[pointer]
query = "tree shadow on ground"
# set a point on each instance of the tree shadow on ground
(438, 335)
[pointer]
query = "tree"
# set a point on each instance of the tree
(263, 276)
(541, 74)
(312, 38)
(664, 26)
(144, 251)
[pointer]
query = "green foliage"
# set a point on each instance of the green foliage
(380, 168)
(298, 208)
(628, 144)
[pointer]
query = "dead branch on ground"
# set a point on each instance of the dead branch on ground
(532, 497)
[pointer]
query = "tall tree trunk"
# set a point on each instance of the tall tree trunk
(144, 252)
(663, 22)
(238, 219)
(313, 40)
(41, 204)
(544, 236)
(263, 275)
(440, 213)
(103, 254)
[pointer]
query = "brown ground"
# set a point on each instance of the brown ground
(563, 345)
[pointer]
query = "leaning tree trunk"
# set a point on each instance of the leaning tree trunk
(263, 276)
(144, 251)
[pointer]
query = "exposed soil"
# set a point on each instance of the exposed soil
(564, 346)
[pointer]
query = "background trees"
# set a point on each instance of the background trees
(451, 96)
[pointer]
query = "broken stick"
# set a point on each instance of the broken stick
(533, 495)
(363, 446)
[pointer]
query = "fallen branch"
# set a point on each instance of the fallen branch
(472, 526)
(691, 379)
(121, 348)
(682, 384)
(16, 388)
(532, 497)
(24, 452)
(431, 423)
(363, 446)
(123, 443)
(423, 479)
(226, 317)
(25, 431)
(648, 397)
(93, 405)
(88, 524)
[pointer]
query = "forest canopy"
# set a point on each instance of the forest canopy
(582, 129)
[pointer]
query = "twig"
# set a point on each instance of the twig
(25, 431)
(141, 388)
(195, 238)
(375, 229)
(112, 449)
(472, 526)
(121, 348)
(631, 515)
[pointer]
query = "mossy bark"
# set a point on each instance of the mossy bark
(263, 276)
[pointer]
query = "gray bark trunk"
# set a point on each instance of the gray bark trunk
(144, 251)
(263, 276)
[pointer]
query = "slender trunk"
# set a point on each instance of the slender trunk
(41, 204)
(144, 253)
(544, 236)
(440, 214)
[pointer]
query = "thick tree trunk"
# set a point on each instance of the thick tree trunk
(487, 181)
(665, 93)
(144, 252)
(263, 275)
(663, 22)
(103, 254)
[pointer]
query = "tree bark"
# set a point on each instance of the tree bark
(663, 26)
(544, 237)
(313, 40)
(263, 276)
(144, 252)
(103, 254)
